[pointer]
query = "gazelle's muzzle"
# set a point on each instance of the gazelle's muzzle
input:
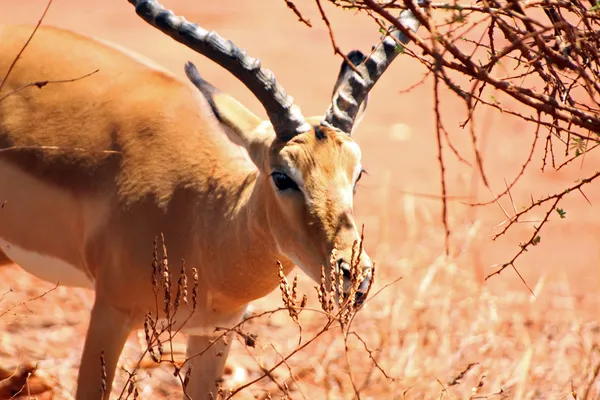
(363, 289)
(356, 278)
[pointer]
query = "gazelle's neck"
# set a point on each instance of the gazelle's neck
(241, 247)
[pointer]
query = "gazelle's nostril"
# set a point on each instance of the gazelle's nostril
(359, 299)
(344, 268)
(364, 285)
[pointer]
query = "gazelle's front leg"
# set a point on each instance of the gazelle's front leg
(207, 368)
(108, 331)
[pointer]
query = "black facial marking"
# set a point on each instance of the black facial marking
(205, 87)
(345, 221)
(356, 57)
(320, 134)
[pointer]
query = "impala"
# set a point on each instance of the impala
(93, 170)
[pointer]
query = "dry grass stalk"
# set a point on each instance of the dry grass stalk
(22, 381)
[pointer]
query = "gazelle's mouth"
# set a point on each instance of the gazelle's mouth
(360, 294)
(359, 299)
(363, 289)
(354, 283)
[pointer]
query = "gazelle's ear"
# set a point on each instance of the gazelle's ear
(242, 126)
(227, 109)
(357, 58)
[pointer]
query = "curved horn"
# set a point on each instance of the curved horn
(286, 117)
(347, 100)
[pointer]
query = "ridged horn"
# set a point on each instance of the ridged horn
(348, 98)
(287, 119)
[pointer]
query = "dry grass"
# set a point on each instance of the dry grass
(435, 333)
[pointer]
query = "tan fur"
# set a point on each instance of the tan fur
(4, 260)
(92, 171)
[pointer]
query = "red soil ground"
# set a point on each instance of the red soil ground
(397, 137)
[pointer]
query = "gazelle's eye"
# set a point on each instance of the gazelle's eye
(283, 182)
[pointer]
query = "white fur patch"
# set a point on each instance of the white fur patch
(203, 324)
(296, 175)
(46, 267)
(354, 148)
(356, 173)
(347, 198)
(264, 128)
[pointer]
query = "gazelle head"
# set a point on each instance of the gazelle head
(309, 166)
(311, 178)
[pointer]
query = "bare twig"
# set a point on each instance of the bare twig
(336, 49)
(12, 65)
(293, 7)
(41, 84)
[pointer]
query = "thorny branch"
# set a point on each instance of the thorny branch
(535, 237)
(23, 303)
(41, 84)
(542, 55)
(12, 65)
(336, 48)
(293, 7)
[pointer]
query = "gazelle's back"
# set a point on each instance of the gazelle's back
(146, 134)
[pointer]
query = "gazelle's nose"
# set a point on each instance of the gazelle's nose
(361, 293)
(346, 270)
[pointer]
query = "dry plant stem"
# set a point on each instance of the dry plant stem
(344, 315)
(336, 49)
(10, 290)
(546, 199)
(590, 386)
(75, 149)
(521, 172)
(293, 7)
(556, 198)
(349, 365)
(41, 84)
(372, 357)
(573, 158)
(471, 122)
(161, 278)
(453, 149)
(444, 390)
(12, 65)
(24, 303)
(461, 375)
(298, 349)
(540, 102)
(292, 378)
(440, 155)
(420, 82)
